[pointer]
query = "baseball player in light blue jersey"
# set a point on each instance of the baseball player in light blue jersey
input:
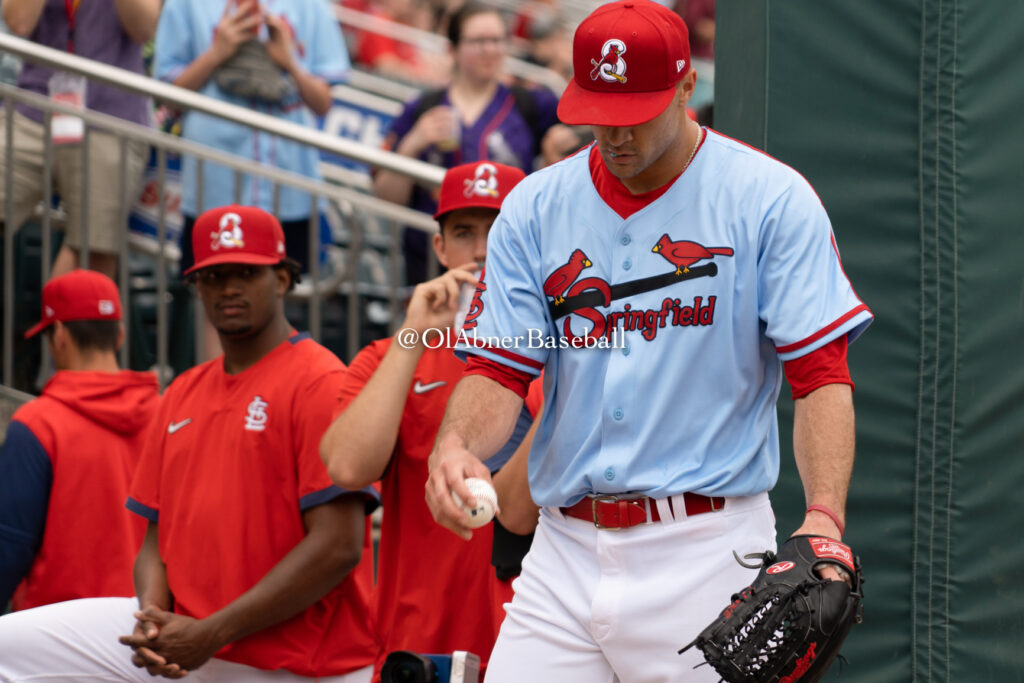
(665, 279)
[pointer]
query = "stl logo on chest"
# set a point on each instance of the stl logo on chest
(573, 296)
(256, 417)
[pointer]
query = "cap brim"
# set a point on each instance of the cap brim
(246, 259)
(468, 204)
(579, 106)
(37, 328)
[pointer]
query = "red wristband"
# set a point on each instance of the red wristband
(825, 510)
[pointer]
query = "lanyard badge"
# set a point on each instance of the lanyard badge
(67, 89)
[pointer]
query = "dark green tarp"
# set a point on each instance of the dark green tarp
(908, 119)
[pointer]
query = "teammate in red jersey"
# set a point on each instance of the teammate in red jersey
(69, 456)
(250, 568)
(435, 594)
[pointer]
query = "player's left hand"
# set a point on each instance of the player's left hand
(817, 524)
(181, 640)
(281, 45)
(449, 470)
(143, 657)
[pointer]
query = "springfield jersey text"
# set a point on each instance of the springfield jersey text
(731, 271)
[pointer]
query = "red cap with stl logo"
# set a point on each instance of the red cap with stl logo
(237, 234)
(78, 295)
(479, 184)
(627, 59)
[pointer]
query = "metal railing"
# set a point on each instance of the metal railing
(167, 144)
(188, 99)
(384, 87)
(431, 42)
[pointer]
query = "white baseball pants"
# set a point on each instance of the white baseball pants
(77, 641)
(603, 606)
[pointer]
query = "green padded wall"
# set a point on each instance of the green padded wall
(907, 116)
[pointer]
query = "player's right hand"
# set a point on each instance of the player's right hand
(434, 303)
(449, 470)
(237, 24)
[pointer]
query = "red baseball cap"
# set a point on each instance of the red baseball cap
(237, 234)
(627, 58)
(479, 184)
(78, 295)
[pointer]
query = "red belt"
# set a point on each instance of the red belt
(612, 512)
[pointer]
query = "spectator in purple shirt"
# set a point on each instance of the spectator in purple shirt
(108, 31)
(475, 118)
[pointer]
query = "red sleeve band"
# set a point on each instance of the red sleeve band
(826, 365)
(510, 378)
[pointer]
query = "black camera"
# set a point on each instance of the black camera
(403, 666)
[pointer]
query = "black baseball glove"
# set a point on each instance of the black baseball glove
(789, 624)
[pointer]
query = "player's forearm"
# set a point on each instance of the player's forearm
(314, 91)
(151, 574)
(519, 514)
(139, 18)
(22, 16)
(480, 417)
(358, 445)
(330, 550)
(823, 444)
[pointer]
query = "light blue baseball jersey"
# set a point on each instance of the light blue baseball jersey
(185, 31)
(702, 294)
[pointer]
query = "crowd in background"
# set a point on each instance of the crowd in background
(538, 32)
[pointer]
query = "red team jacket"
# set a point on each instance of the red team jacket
(232, 463)
(435, 592)
(84, 434)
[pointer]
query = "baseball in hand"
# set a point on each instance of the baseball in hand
(486, 502)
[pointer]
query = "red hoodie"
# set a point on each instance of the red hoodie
(91, 425)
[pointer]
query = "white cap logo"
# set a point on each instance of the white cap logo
(230, 234)
(680, 63)
(612, 67)
(484, 182)
(106, 307)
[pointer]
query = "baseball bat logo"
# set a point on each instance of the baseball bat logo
(612, 67)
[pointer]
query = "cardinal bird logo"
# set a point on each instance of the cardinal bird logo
(611, 67)
(564, 276)
(230, 232)
(683, 254)
(484, 182)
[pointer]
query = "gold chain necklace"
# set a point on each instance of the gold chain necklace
(696, 144)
